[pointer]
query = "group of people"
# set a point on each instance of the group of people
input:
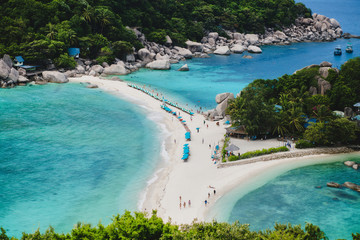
(184, 204)
(209, 195)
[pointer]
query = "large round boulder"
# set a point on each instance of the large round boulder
(213, 35)
(254, 49)
(116, 69)
(186, 53)
(159, 65)
(8, 60)
(221, 97)
(237, 48)
(194, 46)
(222, 50)
(54, 77)
(145, 55)
(97, 68)
(13, 75)
(252, 38)
(185, 67)
(4, 69)
(325, 64)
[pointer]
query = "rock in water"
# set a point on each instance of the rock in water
(4, 69)
(349, 163)
(116, 69)
(184, 68)
(54, 77)
(254, 49)
(159, 65)
(223, 50)
(333, 184)
(92, 86)
(352, 186)
(247, 57)
(355, 166)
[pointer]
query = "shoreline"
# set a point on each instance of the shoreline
(191, 180)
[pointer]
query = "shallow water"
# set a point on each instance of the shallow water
(300, 196)
(70, 154)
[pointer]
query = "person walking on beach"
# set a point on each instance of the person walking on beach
(180, 199)
(203, 141)
(208, 195)
(214, 191)
(184, 204)
(189, 203)
(205, 203)
(180, 205)
(204, 122)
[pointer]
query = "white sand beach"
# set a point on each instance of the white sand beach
(191, 179)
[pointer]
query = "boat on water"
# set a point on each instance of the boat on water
(337, 51)
(349, 48)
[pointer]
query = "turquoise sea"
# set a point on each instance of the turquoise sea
(72, 154)
(69, 154)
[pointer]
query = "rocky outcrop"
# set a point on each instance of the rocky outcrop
(254, 49)
(333, 185)
(168, 41)
(4, 70)
(219, 112)
(159, 65)
(54, 77)
(324, 71)
(349, 163)
(183, 52)
(13, 75)
(8, 60)
(194, 46)
(223, 50)
(80, 69)
(237, 48)
(116, 69)
(144, 55)
(325, 64)
(352, 186)
(185, 67)
(92, 86)
(97, 69)
(323, 85)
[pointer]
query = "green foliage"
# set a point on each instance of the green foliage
(140, 226)
(77, 23)
(65, 61)
(233, 158)
(121, 48)
(356, 236)
(223, 150)
(257, 153)
(158, 36)
(335, 131)
(301, 143)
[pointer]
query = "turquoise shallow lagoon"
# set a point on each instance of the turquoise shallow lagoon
(71, 154)
(297, 196)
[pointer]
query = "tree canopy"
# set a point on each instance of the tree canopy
(281, 106)
(44, 29)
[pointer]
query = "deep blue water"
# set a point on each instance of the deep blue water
(209, 77)
(66, 156)
(295, 197)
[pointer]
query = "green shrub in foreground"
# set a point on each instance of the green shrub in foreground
(140, 226)
(233, 158)
(302, 143)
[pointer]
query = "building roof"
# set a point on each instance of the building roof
(19, 59)
(73, 51)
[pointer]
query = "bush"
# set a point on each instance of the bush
(121, 48)
(157, 36)
(107, 59)
(65, 61)
(233, 158)
(257, 153)
(302, 143)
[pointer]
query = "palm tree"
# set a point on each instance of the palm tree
(102, 17)
(88, 13)
(51, 31)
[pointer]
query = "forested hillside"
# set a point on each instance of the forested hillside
(44, 29)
